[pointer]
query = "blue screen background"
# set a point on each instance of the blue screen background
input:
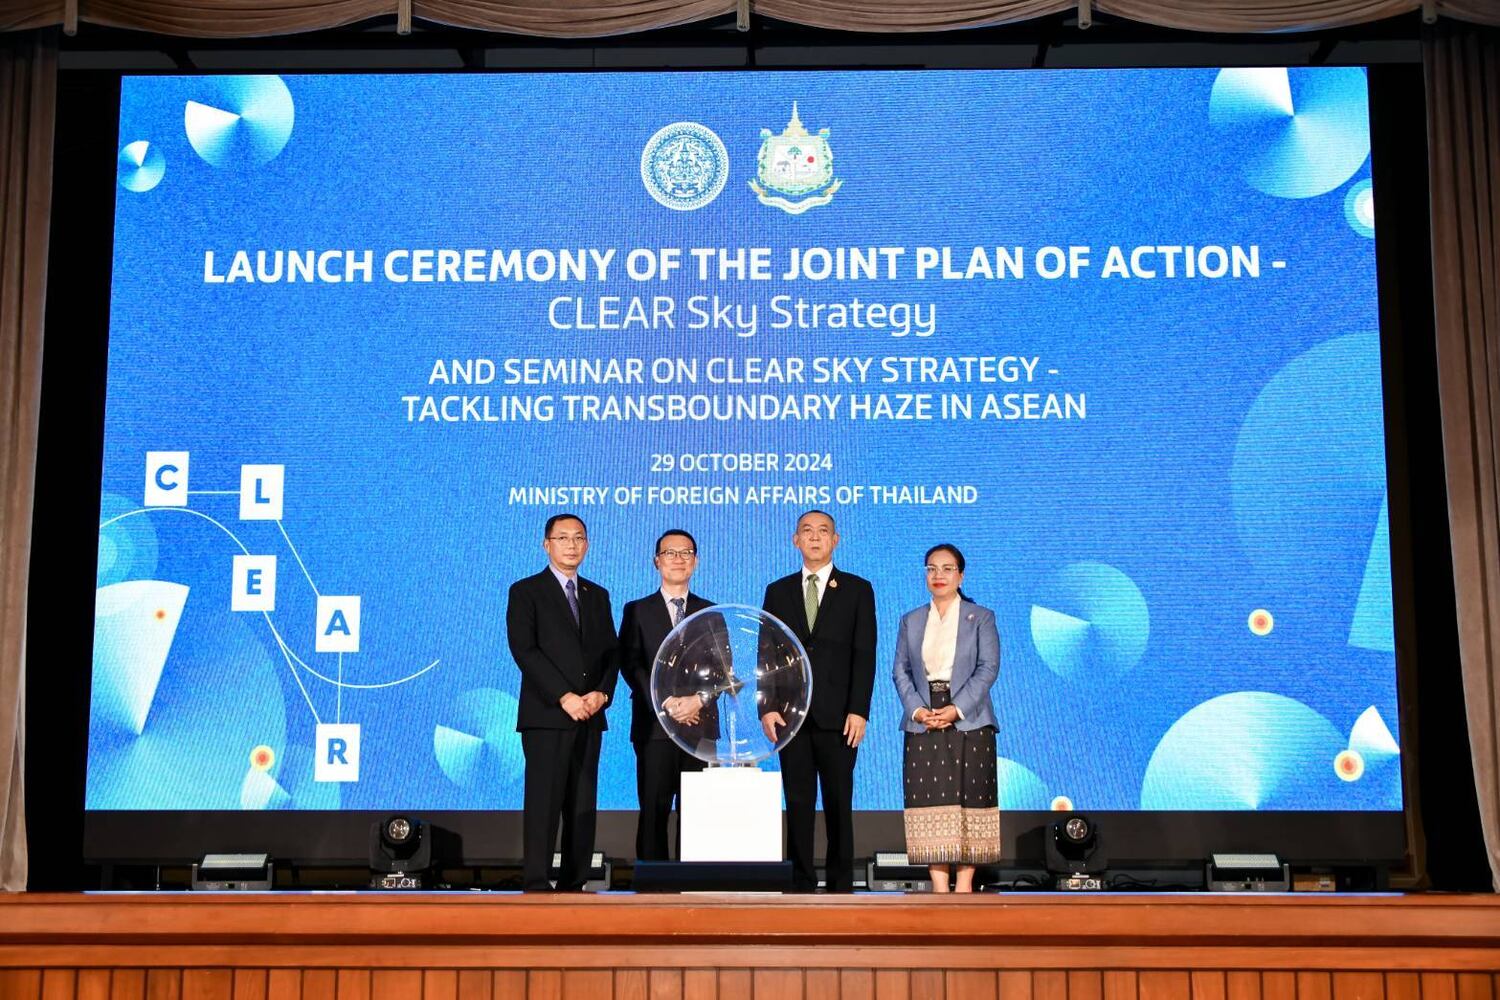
(1231, 460)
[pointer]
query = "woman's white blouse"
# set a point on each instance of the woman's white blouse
(939, 641)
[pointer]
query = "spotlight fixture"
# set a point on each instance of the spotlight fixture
(400, 853)
(1073, 856)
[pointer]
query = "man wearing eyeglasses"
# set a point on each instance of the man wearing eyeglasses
(659, 762)
(833, 614)
(562, 635)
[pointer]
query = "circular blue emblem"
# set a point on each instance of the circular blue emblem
(684, 166)
(140, 166)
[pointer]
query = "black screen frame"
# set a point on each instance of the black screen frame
(70, 461)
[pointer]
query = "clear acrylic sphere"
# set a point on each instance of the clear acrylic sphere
(719, 673)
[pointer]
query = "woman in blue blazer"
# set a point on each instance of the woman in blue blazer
(947, 659)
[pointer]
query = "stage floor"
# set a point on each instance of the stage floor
(1010, 946)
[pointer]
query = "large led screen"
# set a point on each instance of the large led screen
(1112, 333)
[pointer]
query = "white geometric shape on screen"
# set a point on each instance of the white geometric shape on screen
(1372, 737)
(458, 753)
(1373, 624)
(241, 120)
(134, 625)
(1264, 89)
(1104, 630)
(1066, 631)
(1359, 207)
(1244, 750)
(166, 479)
(254, 584)
(338, 625)
(1293, 133)
(261, 791)
(1020, 787)
(338, 752)
(140, 166)
(261, 488)
(210, 123)
(477, 746)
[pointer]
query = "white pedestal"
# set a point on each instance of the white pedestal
(730, 814)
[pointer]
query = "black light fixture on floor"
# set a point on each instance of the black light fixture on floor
(1073, 855)
(400, 853)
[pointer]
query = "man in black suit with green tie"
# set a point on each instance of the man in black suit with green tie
(644, 624)
(562, 635)
(833, 614)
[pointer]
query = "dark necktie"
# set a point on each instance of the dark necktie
(680, 604)
(571, 588)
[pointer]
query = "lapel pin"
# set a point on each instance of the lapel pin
(971, 616)
(833, 583)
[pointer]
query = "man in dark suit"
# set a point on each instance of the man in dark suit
(833, 614)
(659, 762)
(562, 635)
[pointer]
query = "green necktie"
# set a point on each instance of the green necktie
(810, 602)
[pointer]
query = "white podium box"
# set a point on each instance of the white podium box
(730, 814)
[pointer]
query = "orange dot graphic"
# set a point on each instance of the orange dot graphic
(1349, 765)
(262, 757)
(1261, 622)
(1062, 804)
(160, 614)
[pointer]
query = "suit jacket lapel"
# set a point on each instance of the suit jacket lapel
(916, 627)
(797, 622)
(585, 602)
(829, 601)
(660, 620)
(560, 599)
(963, 649)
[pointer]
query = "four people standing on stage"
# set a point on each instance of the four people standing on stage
(833, 614)
(947, 659)
(645, 623)
(562, 635)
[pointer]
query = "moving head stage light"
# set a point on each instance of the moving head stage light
(1073, 856)
(400, 853)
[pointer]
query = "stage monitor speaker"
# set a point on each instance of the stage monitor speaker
(601, 874)
(892, 871)
(1248, 873)
(713, 876)
(233, 872)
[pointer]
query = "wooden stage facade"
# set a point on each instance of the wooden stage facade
(1007, 947)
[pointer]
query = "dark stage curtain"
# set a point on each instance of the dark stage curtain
(28, 97)
(1463, 114)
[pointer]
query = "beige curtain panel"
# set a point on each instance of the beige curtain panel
(1256, 15)
(28, 98)
(569, 18)
(917, 15)
(1463, 114)
(595, 18)
(229, 18)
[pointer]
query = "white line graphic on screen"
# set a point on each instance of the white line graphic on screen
(286, 653)
(298, 557)
(293, 660)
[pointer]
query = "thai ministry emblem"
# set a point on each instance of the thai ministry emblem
(684, 166)
(795, 163)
